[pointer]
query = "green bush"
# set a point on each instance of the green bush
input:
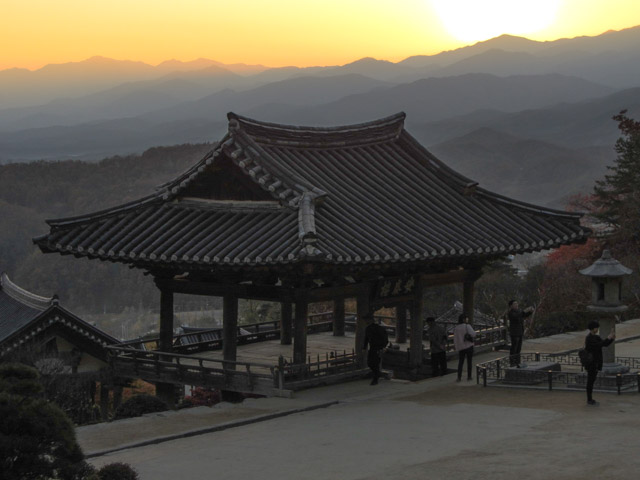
(117, 471)
(139, 405)
(19, 379)
(37, 440)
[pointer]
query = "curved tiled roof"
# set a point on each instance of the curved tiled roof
(18, 307)
(366, 193)
(24, 315)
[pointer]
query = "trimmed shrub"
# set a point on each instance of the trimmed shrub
(139, 405)
(117, 471)
(37, 440)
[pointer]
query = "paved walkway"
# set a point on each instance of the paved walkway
(435, 428)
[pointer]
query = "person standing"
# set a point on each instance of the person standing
(376, 339)
(516, 330)
(593, 344)
(437, 336)
(463, 339)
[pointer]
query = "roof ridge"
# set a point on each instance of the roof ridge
(382, 130)
(23, 296)
(397, 118)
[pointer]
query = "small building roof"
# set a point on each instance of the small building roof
(18, 307)
(24, 315)
(271, 194)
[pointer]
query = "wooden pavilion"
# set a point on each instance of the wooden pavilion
(307, 214)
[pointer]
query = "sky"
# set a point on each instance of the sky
(276, 33)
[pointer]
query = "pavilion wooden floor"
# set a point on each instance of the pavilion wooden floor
(268, 352)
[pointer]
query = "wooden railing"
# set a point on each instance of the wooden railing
(211, 339)
(333, 366)
(198, 371)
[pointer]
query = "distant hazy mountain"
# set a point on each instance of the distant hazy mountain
(522, 168)
(125, 100)
(295, 92)
(612, 58)
(576, 125)
(203, 63)
(100, 106)
(440, 98)
(371, 67)
(21, 87)
(94, 141)
(308, 100)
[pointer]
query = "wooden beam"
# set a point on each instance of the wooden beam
(338, 317)
(268, 293)
(401, 323)
(363, 311)
(300, 331)
(323, 294)
(229, 328)
(446, 278)
(286, 314)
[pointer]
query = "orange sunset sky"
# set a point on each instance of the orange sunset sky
(34, 33)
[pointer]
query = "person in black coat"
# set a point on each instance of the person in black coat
(594, 344)
(376, 339)
(516, 330)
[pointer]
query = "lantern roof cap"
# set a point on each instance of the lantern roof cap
(606, 266)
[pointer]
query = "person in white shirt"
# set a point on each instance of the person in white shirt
(463, 339)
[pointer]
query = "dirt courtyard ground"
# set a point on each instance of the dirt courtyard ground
(433, 429)
(448, 431)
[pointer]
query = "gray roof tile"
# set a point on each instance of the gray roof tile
(366, 193)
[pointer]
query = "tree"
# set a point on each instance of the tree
(37, 440)
(617, 196)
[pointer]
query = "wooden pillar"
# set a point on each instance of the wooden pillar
(300, 331)
(401, 324)
(417, 325)
(338, 317)
(286, 314)
(166, 391)
(363, 311)
(104, 401)
(166, 320)
(467, 299)
(229, 329)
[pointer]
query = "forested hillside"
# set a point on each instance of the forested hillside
(33, 192)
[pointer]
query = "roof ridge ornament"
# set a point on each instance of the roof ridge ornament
(307, 222)
(24, 296)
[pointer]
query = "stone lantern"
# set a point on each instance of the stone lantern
(606, 298)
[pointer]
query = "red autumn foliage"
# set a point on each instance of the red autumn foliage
(574, 256)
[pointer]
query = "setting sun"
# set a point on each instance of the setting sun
(473, 20)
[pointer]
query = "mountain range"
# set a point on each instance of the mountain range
(537, 113)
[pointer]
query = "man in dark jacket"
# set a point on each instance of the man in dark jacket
(594, 344)
(516, 330)
(376, 339)
(437, 337)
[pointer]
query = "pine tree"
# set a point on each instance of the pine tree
(618, 194)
